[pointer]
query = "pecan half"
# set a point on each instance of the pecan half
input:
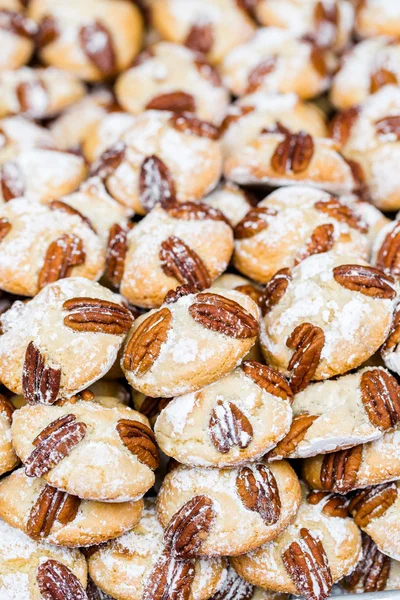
(318, 59)
(95, 315)
(307, 564)
(51, 505)
(193, 125)
(380, 395)
(254, 222)
(140, 440)
(194, 211)
(223, 315)
(258, 491)
(389, 128)
(32, 97)
(40, 382)
(96, 42)
(69, 210)
(234, 588)
(53, 444)
(5, 227)
(334, 505)
(18, 24)
(61, 256)
(117, 248)
(372, 502)
(371, 573)
(145, 344)
(57, 582)
(200, 38)
(189, 527)
(151, 407)
(366, 280)
(342, 213)
(341, 125)
(228, 427)
(12, 181)
(296, 434)
(268, 379)
(394, 334)
(48, 32)
(307, 341)
(380, 78)
(207, 71)
(173, 101)
(275, 290)
(388, 256)
(183, 263)
(6, 407)
(237, 113)
(109, 161)
(293, 154)
(339, 470)
(155, 183)
(326, 18)
(257, 75)
(182, 290)
(322, 240)
(169, 579)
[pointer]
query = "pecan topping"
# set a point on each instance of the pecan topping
(237, 113)
(380, 78)
(97, 44)
(322, 240)
(151, 407)
(380, 394)
(109, 161)
(193, 125)
(293, 154)
(6, 407)
(371, 573)
(268, 379)
(307, 564)
(53, 444)
(317, 58)
(234, 588)
(326, 17)
(394, 334)
(5, 227)
(115, 257)
(173, 101)
(40, 383)
(52, 505)
(189, 527)
(12, 182)
(366, 280)
(57, 582)
(155, 183)
(372, 502)
(32, 97)
(275, 290)
(144, 346)
(200, 38)
(92, 314)
(254, 222)
(341, 125)
(389, 128)
(194, 211)
(140, 440)
(339, 470)
(223, 315)
(251, 291)
(183, 263)
(342, 213)
(66, 208)
(229, 427)
(17, 23)
(170, 578)
(207, 71)
(258, 74)
(48, 32)
(334, 505)
(258, 490)
(296, 434)
(62, 255)
(182, 290)
(307, 341)
(388, 256)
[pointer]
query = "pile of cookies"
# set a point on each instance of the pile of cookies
(199, 285)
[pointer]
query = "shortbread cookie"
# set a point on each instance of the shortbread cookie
(31, 570)
(179, 244)
(17, 35)
(94, 39)
(377, 17)
(231, 200)
(317, 317)
(63, 444)
(38, 93)
(340, 413)
(162, 157)
(320, 547)
(190, 342)
(136, 566)
(18, 134)
(212, 27)
(233, 510)
(277, 60)
(235, 588)
(41, 244)
(45, 513)
(291, 224)
(105, 132)
(8, 458)
(171, 77)
(44, 340)
(234, 420)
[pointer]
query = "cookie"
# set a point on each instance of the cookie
(105, 132)
(291, 224)
(377, 17)
(316, 317)
(8, 457)
(18, 134)
(171, 77)
(190, 342)
(233, 510)
(231, 200)
(17, 35)
(135, 566)
(44, 340)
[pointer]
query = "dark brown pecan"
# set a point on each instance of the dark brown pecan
(366, 280)
(51, 505)
(96, 42)
(235, 115)
(322, 240)
(6, 407)
(307, 564)
(251, 291)
(109, 161)
(258, 490)
(200, 38)
(380, 394)
(380, 78)
(40, 382)
(342, 213)
(371, 573)
(48, 32)
(293, 154)
(257, 75)
(117, 248)
(394, 334)
(326, 18)
(234, 588)
(183, 263)
(5, 227)
(61, 256)
(275, 290)
(32, 97)
(207, 71)
(140, 440)
(57, 582)
(341, 125)
(12, 181)
(339, 470)
(144, 346)
(389, 126)
(388, 255)
(228, 427)
(18, 24)
(193, 125)
(151, 407)
(223, 315)
(174, 101)
(268, 379)
(53, 444)
(253, 222)
(296, 434)
(334, 505)
(182, 290)
(189, 527)
(92, 314)
(155, 183)
(170, 579)
(194, 211)
(275, 128)
(66, 208)
(307, 341)
(372, 502)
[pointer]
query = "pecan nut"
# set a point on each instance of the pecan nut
(334, 505)
(389, 128)
(51, 505)
(57, 582)
(183, 263)
(33, 98)
(394, 335)
(170, 578)
(223, 315)
(101, 55)
(258, 74)
(234, 588)
(342, 213)
(189, 527)
(371, 573)
(194, 211)
(322, 240)
(275, 290)
(117, 248)
(182, 290)
(140, 440)
(5, 228)
(173, 101)
(61, 256)
(293, 154)
(95, 315)
(339, 470)
(371, 503)
(6, 407)
(307, 341)
(151, 407)
(388, 256)
(192, 125)
(253, 222)
(40, 382)
(258, 491)
(234, 117)
(200, 38)
(296, 434)
(380, 78)
(155, 183)
(228, 427)
(342, 124)
(69, 210)
(366, 280)
(268, 379)
(326, 19)
(48, 32)
(109, 161)
(12, 181)
(380, 395)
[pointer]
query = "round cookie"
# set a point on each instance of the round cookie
(377, 17)
(319, 548)
(134, 566)
(173, 245)
(63, 444)
(94, 40)
(231, 200)
(291, 224)
(171, 77)
(341, 413)
(17, 35)
(105, 132)
(8, 458)
(240, 509)
(190, 342)
(44, 340)
(32, 570)
(45, 513)
(235, 588)
(18, 134)
(316, 317)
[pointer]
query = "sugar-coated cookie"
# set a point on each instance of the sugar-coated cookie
(19, 133)
(105, 132)
(8, 457)
(231, 200)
